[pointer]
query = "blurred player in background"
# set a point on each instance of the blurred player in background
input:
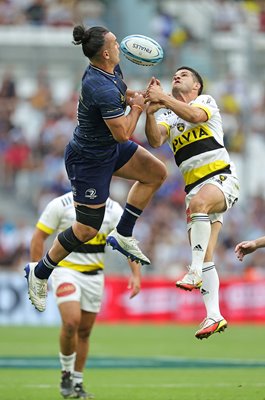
(193, 128)
(100, 148)
(249, 246)
(78, 284)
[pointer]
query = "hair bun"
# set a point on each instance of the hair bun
(78, 34)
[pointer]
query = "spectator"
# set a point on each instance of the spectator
(36, 12)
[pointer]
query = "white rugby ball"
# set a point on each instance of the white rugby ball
(142, 50)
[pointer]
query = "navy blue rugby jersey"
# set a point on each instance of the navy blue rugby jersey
(102, 97)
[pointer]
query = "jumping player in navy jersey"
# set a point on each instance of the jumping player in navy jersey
(100, 148)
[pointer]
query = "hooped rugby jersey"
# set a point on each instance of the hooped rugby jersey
(102, 97)
(198, 148)
(59, 215)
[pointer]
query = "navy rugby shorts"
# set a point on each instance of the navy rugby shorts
(90, 177)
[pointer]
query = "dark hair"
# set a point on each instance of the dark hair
(92, 39)
(196, 75)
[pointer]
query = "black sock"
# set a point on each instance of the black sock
(128, 219)
(44, 268)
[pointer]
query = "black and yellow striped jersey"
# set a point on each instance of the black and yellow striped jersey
(198, 149)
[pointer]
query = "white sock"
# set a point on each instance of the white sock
(77, 377)
(210, 290)
(67, 362)
(199, 238)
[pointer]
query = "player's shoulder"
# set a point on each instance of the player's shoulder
(64, 201)
(205, 99)
(92, 81)
(96, 78)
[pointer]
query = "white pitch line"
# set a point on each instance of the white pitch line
(162, 385)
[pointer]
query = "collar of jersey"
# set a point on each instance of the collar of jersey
(102, 71)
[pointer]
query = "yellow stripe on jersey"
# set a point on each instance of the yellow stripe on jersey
(44, 228)
(100, 238)
(198, 173)
(206, 109)
(195, 134)
(80, 267)
(166, 126)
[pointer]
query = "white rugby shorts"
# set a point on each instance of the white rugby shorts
(71, 285)
(227, 183)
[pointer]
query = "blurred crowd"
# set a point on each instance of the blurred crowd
(171, 24)
(57, 13)
(35, 128)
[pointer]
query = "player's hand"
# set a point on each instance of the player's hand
(244, 248)
(134, 285)
(131, 93)
(153, 107)
(154, 93)
(153, 81)
(139, 100)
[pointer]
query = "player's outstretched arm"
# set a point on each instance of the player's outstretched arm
(123, 127)
(135, 279)
(247, 247)
(156, 134)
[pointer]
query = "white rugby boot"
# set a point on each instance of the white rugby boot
(127, 246)
(37, 288)
(190, 281)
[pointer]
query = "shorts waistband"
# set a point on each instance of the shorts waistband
(93, 272)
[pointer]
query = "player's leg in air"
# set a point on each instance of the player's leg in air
(133, 162)
(214, 321)
(90, 211)
(149, 174)
(201, 202)
(205, 207)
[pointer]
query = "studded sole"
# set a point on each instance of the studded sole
(111, 241)
(222, 325)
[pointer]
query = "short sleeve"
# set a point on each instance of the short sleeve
(167, 119)
(109, 101)
(206, 103)
(50, 217)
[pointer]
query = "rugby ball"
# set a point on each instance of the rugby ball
(142, 50)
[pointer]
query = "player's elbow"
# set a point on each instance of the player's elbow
(154, 143)
(195, 119)
(197, 116)
(121, 138)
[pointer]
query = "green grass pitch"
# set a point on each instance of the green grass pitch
(140, 362)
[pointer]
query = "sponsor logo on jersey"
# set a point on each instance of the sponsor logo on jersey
(122, 98)
(65, 289)
(220, 179)
(191, 136)
(180, 127)
(91, 193)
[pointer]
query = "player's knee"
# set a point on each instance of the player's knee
(84, 333)
(68, 240)
(92, 217)
(198, 205)
(160, 174)
(70, 327)
(157, 174)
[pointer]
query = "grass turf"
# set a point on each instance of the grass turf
(243, 343)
